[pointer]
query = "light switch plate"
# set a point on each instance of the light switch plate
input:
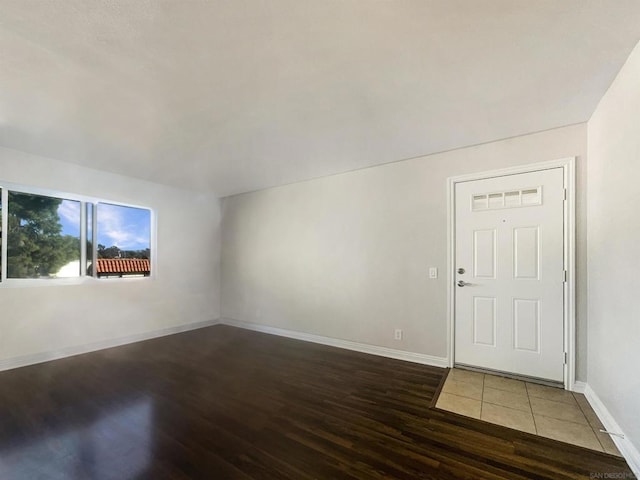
(433, 272)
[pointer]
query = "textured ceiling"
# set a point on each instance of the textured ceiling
(238, 95)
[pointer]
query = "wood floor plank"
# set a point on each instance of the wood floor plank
(222, 402)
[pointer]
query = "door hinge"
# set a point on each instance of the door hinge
(565, 194)
(564, 276)
(565, 358)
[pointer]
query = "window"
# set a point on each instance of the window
(124, 241)
(88, 264)
(45, 235)
(515, 198)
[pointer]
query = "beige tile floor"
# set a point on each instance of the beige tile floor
(529, 407)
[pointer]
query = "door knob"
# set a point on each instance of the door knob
(461, 270)
(462, 283)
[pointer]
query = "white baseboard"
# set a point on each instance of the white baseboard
(25, 360)
(578, 387)
(346, 344)
(627, 449)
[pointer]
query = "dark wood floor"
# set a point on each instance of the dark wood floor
(223, 403)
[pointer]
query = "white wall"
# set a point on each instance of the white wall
(37, 320)
(614, 249)
(347, 256)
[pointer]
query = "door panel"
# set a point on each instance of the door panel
(509, 311)
(484, 321)
(526, 324)
(526, 252)
(484, 253)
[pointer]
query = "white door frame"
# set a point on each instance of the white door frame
(569, 167)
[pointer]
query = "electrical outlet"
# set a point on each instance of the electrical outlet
(433, 272)
(397, 334)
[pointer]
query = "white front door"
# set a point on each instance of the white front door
(509, 260)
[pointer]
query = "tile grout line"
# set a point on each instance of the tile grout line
(564, 405)
(464, 394)
(589, 423)
(535, 425)
(565, 420)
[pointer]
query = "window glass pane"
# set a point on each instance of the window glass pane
(43, 237)
(89, 246)
(124, 241)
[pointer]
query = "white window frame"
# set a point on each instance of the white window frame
(83, 278)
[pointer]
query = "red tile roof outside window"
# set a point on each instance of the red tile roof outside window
(123, 266)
